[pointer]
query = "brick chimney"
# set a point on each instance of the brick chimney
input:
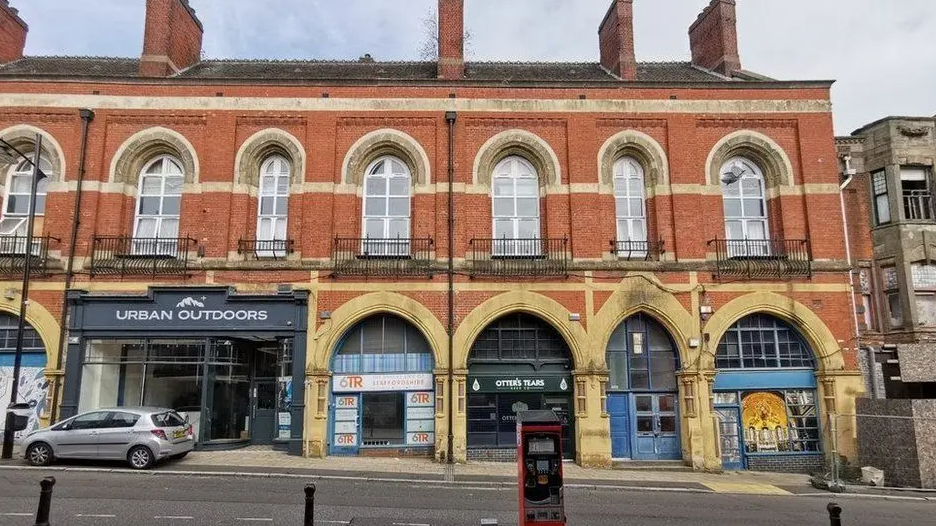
(172, 40)
(451, 39)
(616, 40)
(12, 33)
(713, 38)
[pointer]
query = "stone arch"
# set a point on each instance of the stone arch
(147, 144)
(383, 142)
(528, 145)
(759, 148)
(354, 311)
(645, 298)
(259, 147)
(548, 309)
(46, 325)
(825, 347)
(23, 138)
(643, 148)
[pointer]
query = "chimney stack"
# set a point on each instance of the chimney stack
(12, 33)
(172, 40)
(616, 40)
(451, 39)
(713, 38)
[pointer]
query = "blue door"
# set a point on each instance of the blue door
(656, 429)
(729, 438)
(619, 411)
(345, 429)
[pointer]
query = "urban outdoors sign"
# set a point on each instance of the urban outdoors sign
(511, 384)
(356, 383)
(186, 309)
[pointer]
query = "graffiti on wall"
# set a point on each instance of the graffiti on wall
(33, 386)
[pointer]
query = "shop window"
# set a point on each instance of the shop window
(780, 421)
(386, 221)
(382, 419)
(763, 342)
(642, 356)
(516, 209)
(16, 199)
(520, 338)
(917, 193)
(882, 213)
(745, 206)
(383, 344)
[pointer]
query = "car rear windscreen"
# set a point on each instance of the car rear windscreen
(167, 420)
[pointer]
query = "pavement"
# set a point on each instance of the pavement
(93, 498)
(264, 462)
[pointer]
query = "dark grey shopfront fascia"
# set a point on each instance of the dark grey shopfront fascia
(235, 363)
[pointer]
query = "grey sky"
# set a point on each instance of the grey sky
(881, 53)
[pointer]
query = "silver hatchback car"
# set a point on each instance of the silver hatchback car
(140, 435)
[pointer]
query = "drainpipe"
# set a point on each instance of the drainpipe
(86, 117)
(851, 270)
(450, 118)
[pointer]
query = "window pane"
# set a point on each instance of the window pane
(265, 228)
(398, 229)
(621, 207)
(503, 186)
(18, 204)
(397, 168)
(617, 365)
(528, 229)
(375, 206)
(503, 228)
(756, 230)
(644, 404)
(20, 184)
(281, 228)
(171, 205)
(638, 231)
(732, 208)
(266, 206)
(146, 227)
(636, 208)
(174, 185)
(753, 208)
(399, 186)
(156, 167)
(527, 207)
(152, 185)
(149, 205)
(172, 167)
(503, 207)
(169, 228)
(734, 230)
(751, 187)
(378, 168)
(731, 190)
(268, 185)
(883, 209)
(399, 207)
(527, 187)
(281, 206)
(374, 228)
(282, 185)
(376, 186)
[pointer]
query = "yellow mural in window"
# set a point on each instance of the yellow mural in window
(766, 425)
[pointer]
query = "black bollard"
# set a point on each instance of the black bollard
(835, 514)
(45, 501)
(310, 504)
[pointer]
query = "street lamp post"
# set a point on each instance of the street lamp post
(10, 154)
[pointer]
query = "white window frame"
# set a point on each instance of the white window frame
(14, 224)
(511, 174)
(746, 245)
(155, 246)
(384, 172)
(274, 181)
(629, 190)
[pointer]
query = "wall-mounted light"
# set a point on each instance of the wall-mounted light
(694, 343)
(575, 316)
(325, 315)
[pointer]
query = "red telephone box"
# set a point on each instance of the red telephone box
(539, 459)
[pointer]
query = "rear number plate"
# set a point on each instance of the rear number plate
(179, 434)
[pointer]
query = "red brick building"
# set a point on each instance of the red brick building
(386, 258)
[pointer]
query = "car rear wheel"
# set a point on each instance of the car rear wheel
(39, 454)
(140, 457)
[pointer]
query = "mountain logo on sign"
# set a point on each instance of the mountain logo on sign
(190, 302)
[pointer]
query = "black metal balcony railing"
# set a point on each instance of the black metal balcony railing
(918, 205)
(762, 258)
(519, 257)
(13, 255)
(357, 256)
(135, 256)
(266, 248)
(638, 250)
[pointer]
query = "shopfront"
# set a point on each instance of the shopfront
(517, 363)
(643, 402)
(766, 398)
(33, 385)
(234, 364)
(383, 396)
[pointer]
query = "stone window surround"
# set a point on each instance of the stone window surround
(760, 149)
(385, 142)
(521, 143)
(23, 138)
(639, 146)
(259, 147)
(146, 145)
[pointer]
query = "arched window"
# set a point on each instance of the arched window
(16, 199)
(156, 229)
(383, 344)
(387, 208)
(642, 356)
(743, 196)
(272, 207)
(630, 206)
(516, 210)
(763, 342)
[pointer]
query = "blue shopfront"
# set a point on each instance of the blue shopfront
(382, 391)
(642, 391)
(234, 364)
(765, 398)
